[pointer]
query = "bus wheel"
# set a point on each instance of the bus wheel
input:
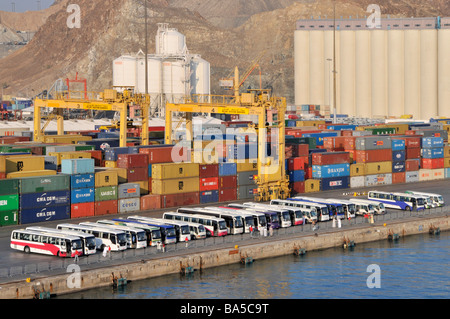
(27, 249)
(408, 208)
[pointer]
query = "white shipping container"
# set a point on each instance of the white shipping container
(129, 205)
(378, 179)
(412, 177)
(357, 181)
(431, 174)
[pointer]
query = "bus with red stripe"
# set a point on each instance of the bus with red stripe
(53, 244)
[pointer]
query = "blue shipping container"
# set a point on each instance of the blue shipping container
(327, 171)
(112, 153)
(44, 214)
(447, 172)
(433, 152)
(398, 167)
(430, 142)
(227, 169)
(398, 156)
(78, 166)
(82, 181)
(398, 145)
(297, 176)
(47, 199)
(102, 144)
(209, 197)
(320, 136)
(335, 183)
(82, 195)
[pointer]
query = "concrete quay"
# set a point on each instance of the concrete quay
(208, 257)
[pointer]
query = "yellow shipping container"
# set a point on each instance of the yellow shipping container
(175, 170)
(175, 186)
(24, 163)
(108, 177)
(446, 127)
(446, 151)
(446, 162)
(144, 187)
(122, 176)
(3, 161)
(377, 168)
(247, 167)
(357, 169)
(45, 172)
(309, 123)
(68, 155)
(66, 139)
(312, 185)
(111, 164)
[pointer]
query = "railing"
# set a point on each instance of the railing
(131, 255)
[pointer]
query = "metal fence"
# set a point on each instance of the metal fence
(131, 255)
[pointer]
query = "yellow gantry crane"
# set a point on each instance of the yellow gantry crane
(108, 100)
(272, 181)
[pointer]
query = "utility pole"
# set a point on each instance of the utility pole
(334, 64)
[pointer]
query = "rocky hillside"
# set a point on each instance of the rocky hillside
(110, 28)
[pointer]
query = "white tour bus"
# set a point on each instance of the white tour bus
(349, 207)
(283, 213)
(401, 201)
(437, 199)
(136, 238)
(234, 222)
(61, 245)
(308, 214)
(181, 228)
(320, 209)
(259, 218)
(214, 226)
(376, 208)
(88, 240)
(248, 218)
(112, 238)
(197, 230)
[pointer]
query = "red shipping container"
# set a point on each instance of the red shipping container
(227, 194)
(371, 156)
(137, 174)
(350, 142)
(334, 142)
(297, 163)
(2, 175)
(412, 153)
(108, 207)
(432, 163)
(308, 172)
(297, 187)
(347, 133)
(149, 202)
(208, 170)
(164, 154)
(149, 185)
(412, 165)
(82, 210)
(302, 150)
(398, 178)
(228, 182)
(132, 160)
(97, 155)
(209, 184)
(330, 158)
(174, 200)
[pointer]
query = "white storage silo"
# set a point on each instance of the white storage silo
(169, 41)
(174, 80)
(412, 72)
(444, 70)
(328, 70)
(301, 68)
(363, 74)
(200, 76)
(124, 71)
(379, 72)
(396, 73)
(317, 66)
(154, 75)
(429, 74)
(347, 72)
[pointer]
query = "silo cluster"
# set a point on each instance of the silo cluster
(399, 67)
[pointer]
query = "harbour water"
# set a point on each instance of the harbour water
(413, 267)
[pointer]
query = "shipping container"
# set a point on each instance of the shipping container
(328, 171)
(82, 195)
(9, 186)
(246, 178)
(82, 181)
(357, 181)
(127, 205)
(432, 142)
(377, 168)
(68, 155)
(357, 169)
(132, 160)
(371, 156)
(245, 167)
(377, 180)
(112, 153)
(24, 174)
(46, 199)
(412, 177)
(144, 188)
(106, 177)
(182, 199)
(247, 191)
(431, 174)
(109, 207)
(128, 190)
(373, 143)
(227, 169)
(106, 193)
(398, 156)
(312, 185)
(330, 158)
(413, 153)
(209, 197)
(150, 202)
(44, 184)
(175, 186)
(436, 163)
(334, 183)
(175, 170)
(228, 182)
(164, 154)
(9, 202)
(398, 144)
(297, 187)
(209, 170)
(447, 172)
(45, 214)
(9, 218)
(412, 165)
(432, 153)
(82, 210)
(24, 163)
(209, 183)
(78, 166)
(398, 178)
(297, 163)
(398, 167)
(227, 194)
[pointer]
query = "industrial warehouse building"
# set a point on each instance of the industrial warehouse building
(400, 67)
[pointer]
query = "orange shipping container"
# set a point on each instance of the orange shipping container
(108, 207)
(82, 210)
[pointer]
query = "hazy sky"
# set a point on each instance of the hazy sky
(24, 5)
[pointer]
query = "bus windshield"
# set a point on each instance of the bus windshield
(222, 225)
(263, 221)
(238, 222)
(141, 236)
(286, 216)
(122, 239)
(156, 234)
(274, 218)
(185, 230)
(77, 244)
(171, 232)
(339, 209)
(324, 211)
(249, 221)
(351, 208)
(420, 201)
(90, 242)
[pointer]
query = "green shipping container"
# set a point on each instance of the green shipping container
(381, 130)
(106, 193)
(9, 203)
(84, 148)
(9, 218)
(311, 141)
(9, 186)
(42, 184)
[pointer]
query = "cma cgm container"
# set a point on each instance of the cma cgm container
(46, 199)
(44, 214)
(44, 184)
(327, 171)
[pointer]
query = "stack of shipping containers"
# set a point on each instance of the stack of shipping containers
(106, 191)
(332, 169)
(208, 183)
(9, 201)
(432, 162)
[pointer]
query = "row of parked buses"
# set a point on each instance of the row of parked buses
(189, 223)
